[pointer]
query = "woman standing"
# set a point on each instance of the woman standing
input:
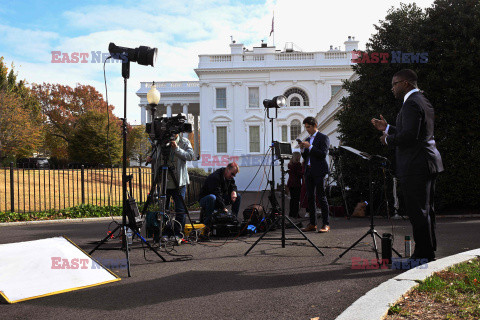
(294, 183)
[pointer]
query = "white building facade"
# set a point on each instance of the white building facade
(230, 122)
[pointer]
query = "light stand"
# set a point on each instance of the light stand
(372, 232)
(144, 56)
(276, 103)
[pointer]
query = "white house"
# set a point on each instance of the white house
(226, 103)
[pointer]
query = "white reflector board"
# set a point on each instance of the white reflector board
(34, 269)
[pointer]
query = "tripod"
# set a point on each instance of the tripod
(161, 177)
(372, 232)
(280, 218)
(129, 205)
(337, 175)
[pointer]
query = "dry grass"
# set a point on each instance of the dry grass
(39, 190)
(449, 294)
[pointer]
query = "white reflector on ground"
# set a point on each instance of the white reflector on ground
(34, 269)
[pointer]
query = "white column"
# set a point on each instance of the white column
(143, 114)
(185, 109)
(196, 147)
(169, 109)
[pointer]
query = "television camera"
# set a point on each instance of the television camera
(164, 129)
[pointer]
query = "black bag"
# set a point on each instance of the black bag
(224, 218)
(152, 225)
(224, 224)
(253, 214)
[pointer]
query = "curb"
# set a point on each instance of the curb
(375, 303)
(76, 220)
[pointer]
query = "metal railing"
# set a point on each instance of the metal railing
(33, 190)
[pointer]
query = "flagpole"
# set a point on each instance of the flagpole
(273, 28)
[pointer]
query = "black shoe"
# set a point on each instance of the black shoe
(429, 258)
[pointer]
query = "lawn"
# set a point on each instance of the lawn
(450, 294)
(46, 189)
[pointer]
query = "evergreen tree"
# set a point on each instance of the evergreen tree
(449, 33)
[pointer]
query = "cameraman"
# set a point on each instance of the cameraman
(180, 152)
(218, 191)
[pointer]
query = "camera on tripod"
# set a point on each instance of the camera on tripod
(164, 129)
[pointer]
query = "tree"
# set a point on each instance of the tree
(89, 144)
(448, 33)
(138, 146)
(63, 108)
(18, 133)
(20, 120)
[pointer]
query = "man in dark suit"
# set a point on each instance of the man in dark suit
(417, 159)
(314, 152)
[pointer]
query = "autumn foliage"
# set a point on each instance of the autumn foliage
(60, 122)
(20, 120)
(76, 123)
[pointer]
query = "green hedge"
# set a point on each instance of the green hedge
(82, 211)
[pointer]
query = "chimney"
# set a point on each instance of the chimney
(236, 48)
(351, 44)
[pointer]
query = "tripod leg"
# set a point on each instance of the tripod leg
(374, 243)
(127, 253)
(104, 239)
(175, 181)
(263, 235)
(303, 234)
(149, 246)
(353, 245)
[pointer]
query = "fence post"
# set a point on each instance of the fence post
(12, 189)
(140, 182)
(82, 174)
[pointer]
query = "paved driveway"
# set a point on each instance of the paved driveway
(215, 280)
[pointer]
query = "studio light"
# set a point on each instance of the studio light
(143, 55)
(276, 102)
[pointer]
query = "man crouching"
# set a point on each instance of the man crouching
(218, 191)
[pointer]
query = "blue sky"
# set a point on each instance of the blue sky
(180, 29)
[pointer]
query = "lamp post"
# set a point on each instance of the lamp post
(153, 98)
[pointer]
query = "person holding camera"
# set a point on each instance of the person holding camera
(218, 191)
(181, 151)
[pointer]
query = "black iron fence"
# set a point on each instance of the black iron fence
(34, 190)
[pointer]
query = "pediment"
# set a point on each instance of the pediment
(221, 119)
(253, 118)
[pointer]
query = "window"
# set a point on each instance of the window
(221, 96)
(298, 92)
(254, 134)
(295, 129)
(221, 139)
(284, 133)
(335, 89)
(295, 102)
(253, 95)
